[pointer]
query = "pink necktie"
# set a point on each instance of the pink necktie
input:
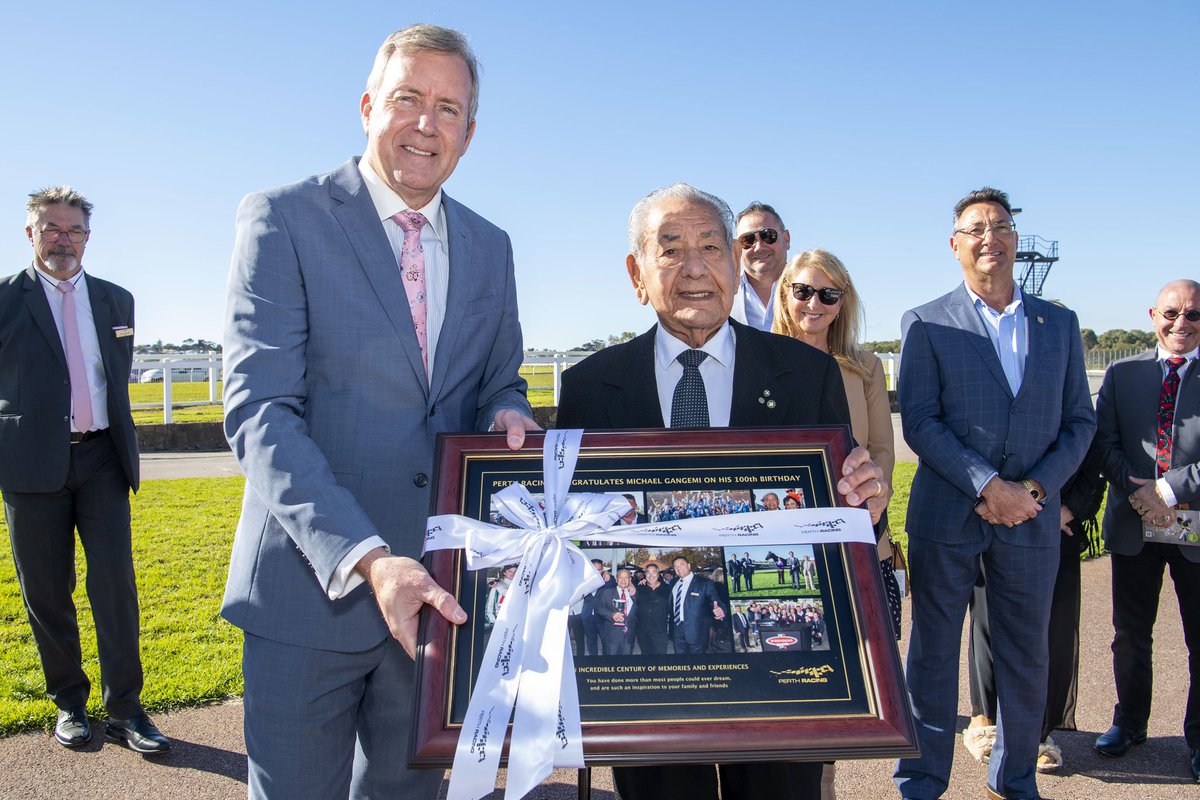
(412, 270)
(81, 395)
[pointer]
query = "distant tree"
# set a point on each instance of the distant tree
(592, 346)
(1090, 341)
(621, 337)
(1119, 339)
(887, 346)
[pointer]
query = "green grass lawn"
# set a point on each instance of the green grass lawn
(182, 532)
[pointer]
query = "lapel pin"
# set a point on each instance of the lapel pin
(763, 399)
(1041, 320)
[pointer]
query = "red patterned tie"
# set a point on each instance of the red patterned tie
(412, 270)
(1166, 414)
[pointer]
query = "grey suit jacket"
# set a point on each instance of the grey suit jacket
(35, 389)
(1126, 441)
(961, 419)
(327, 407)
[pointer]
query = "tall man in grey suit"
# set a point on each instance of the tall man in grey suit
(368, 311)
(1149, 443)
(681, 263)
(994, 401)
(68, 458)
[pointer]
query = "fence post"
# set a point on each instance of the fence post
(557, 374)
(166, 368)
(212, 378)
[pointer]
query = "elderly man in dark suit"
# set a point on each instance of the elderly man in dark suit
(696, 368)
(368, 311)
(68, 458)
(1149, 442)
(994, 401)
(617, 608)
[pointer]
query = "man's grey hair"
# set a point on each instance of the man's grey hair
(40, 200)
(762, 208)
(424, 39)
(679, 191)
(986, 194)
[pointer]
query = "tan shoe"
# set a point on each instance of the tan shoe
(979, 737)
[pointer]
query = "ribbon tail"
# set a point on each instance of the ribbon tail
(570, 728)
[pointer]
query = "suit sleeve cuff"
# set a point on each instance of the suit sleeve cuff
(1165, 492)
(983, 485)
(345, 577)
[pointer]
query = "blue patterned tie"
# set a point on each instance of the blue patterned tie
(689, 406)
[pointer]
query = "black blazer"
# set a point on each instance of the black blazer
(698, 614)
(616, 388)
(35, 388)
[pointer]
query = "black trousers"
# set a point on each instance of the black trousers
(1062, 678)
(753, 781)
(42, 527)
(1136, 585)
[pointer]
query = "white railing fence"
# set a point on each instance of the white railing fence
(172, 368)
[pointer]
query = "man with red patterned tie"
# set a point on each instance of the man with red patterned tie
(68, 458)
(1149, 440)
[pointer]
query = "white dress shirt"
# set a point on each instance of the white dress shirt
(88, 341)
(716, 370)
(748, 308)
(680, 590)
(1164, 489)
(435, 244)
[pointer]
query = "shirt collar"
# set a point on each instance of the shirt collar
(1163, 355)
(388, 203)
(74, 280)
(1011, 308)
(720, 347)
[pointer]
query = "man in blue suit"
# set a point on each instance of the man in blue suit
(695, 605)
(368, 311)
(994, 401)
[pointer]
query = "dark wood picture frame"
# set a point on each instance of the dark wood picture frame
(879, 726)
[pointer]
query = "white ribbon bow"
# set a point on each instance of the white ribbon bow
(528, 662)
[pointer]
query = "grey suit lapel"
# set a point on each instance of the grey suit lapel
(462, 270)
(1037, 330)
(962, 310)
(353, 209)
(39, 307)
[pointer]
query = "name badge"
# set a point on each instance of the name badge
(121, 331)
(694, 594)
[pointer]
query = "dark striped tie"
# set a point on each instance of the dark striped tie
(1166, 414)
(679, 603)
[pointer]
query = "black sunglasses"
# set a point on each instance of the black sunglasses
(828, 296)
(1172, 314)
(768, 236)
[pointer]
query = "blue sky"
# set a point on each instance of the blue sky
(861, 122)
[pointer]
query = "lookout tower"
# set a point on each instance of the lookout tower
(1035, 257)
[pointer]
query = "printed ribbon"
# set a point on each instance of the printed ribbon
(528, 662)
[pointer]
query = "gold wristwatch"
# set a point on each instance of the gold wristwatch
(1034, 491)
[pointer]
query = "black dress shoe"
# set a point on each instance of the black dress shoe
(1117, 741)
(139, 733)
(1196, 765)
(73, 728)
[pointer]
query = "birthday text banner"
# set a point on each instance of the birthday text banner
(527, 665)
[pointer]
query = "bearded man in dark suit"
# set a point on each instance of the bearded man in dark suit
(681, 263)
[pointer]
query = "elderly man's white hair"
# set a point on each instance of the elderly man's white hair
(679, 191)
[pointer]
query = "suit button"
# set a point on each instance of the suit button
(1012, 410)
(420, 480)
(433, 411)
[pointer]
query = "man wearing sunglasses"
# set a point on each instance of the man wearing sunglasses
(761, 245)
(994, 400)
(1149, 442)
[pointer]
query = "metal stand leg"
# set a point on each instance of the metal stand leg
(585, 783)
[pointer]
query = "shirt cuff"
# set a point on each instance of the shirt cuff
(1165, 492)
(346, 578)
(982, 486)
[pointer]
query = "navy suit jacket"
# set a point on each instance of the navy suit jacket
(606, 596)
(35, 388)
(698, 610)
(963, 422)
(327, 406)
(1126, 440)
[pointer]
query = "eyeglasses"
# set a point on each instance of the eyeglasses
(767, 235)
(980, 231)
(828, 296)
(1172, 314)
(76, 235)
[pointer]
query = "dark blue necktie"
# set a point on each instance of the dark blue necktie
(689, 406)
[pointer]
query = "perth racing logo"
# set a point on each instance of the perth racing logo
(560, 453)
(745, 530)
(823, 525)
(480, 736)
(534, 512)
(663, 530)
(504, 655)
(429, 534)
(561, 730)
